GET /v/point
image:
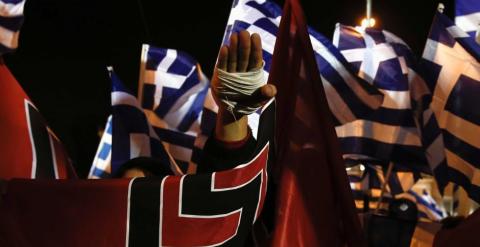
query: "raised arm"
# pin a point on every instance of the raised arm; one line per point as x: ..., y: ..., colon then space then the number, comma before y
x: 243, y: 54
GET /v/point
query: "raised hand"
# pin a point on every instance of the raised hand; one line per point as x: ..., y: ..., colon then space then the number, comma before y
x: 243, y: 54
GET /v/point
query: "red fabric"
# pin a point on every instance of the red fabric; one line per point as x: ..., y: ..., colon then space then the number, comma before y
x: 189, y: 226
x: 15, y: 147
x: 315, y: 205
x: 16, y: 155
x: 64, y: 213
x: 78, y: 212
x: 465, y: 234
x: 64, y: 167
x: 214, y: 229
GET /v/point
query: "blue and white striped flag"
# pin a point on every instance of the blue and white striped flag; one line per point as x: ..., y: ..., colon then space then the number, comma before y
x: 348, y: 96
x: 366, y: 179
x: 176, y: 98
x: 452, y: 70
x: 428, y: 208
x: 101, y: 167
x: 11, y: 19
x: 391, y: 133
x: 467, y: 17
x: 130, y: 135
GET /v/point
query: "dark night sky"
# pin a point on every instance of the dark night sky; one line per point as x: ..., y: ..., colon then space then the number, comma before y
x: 65, y: 46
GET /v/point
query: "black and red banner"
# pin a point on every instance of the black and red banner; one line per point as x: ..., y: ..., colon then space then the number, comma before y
x: 28, y: 149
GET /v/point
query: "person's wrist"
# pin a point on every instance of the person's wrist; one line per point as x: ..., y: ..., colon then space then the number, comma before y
x: 229, y: 116
x: 230, y: 127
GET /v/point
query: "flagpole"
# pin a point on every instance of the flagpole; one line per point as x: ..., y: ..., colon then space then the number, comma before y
x: 384, y: 186
x: 141, y: 75
x: 368, y: 21
x: 369, y: 10
x: 477, y: 35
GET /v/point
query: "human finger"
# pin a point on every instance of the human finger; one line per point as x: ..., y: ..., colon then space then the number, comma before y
x: 243, y: 51
x: 232, y: 53
x: 256, y: 58
x: 223, y: 58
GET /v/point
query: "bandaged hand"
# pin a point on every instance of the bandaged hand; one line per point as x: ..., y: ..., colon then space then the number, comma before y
x: 238, y: 85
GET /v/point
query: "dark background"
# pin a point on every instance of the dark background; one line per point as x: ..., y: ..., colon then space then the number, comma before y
x: 65, y: 46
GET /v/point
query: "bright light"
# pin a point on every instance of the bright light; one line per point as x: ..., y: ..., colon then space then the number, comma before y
x: 368, y: 23
x: 362, y: 167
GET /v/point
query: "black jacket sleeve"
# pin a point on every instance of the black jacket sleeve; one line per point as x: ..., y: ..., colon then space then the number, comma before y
x: 216, y: 157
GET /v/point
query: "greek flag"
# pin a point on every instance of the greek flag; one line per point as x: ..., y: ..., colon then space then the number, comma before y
x: 391, y: 133
x: 176, y: 98
x: 366, y: 180
x: 467, y: 17
x: 128, y: 135
x: 11, y: 19
x: 452, y: 69
x: 428, y: 209
x: 348, y: 96
x: 101, y: 167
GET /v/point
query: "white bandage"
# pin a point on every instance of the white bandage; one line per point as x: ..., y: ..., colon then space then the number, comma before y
x: 234, y: 90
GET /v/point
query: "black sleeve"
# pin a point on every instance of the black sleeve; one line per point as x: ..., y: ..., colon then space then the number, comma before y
x: 218, y: 158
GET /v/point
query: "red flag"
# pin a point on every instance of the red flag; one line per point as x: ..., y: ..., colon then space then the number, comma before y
x: 28, y: 148
x: 208, y: 209
x: 315, y: 205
